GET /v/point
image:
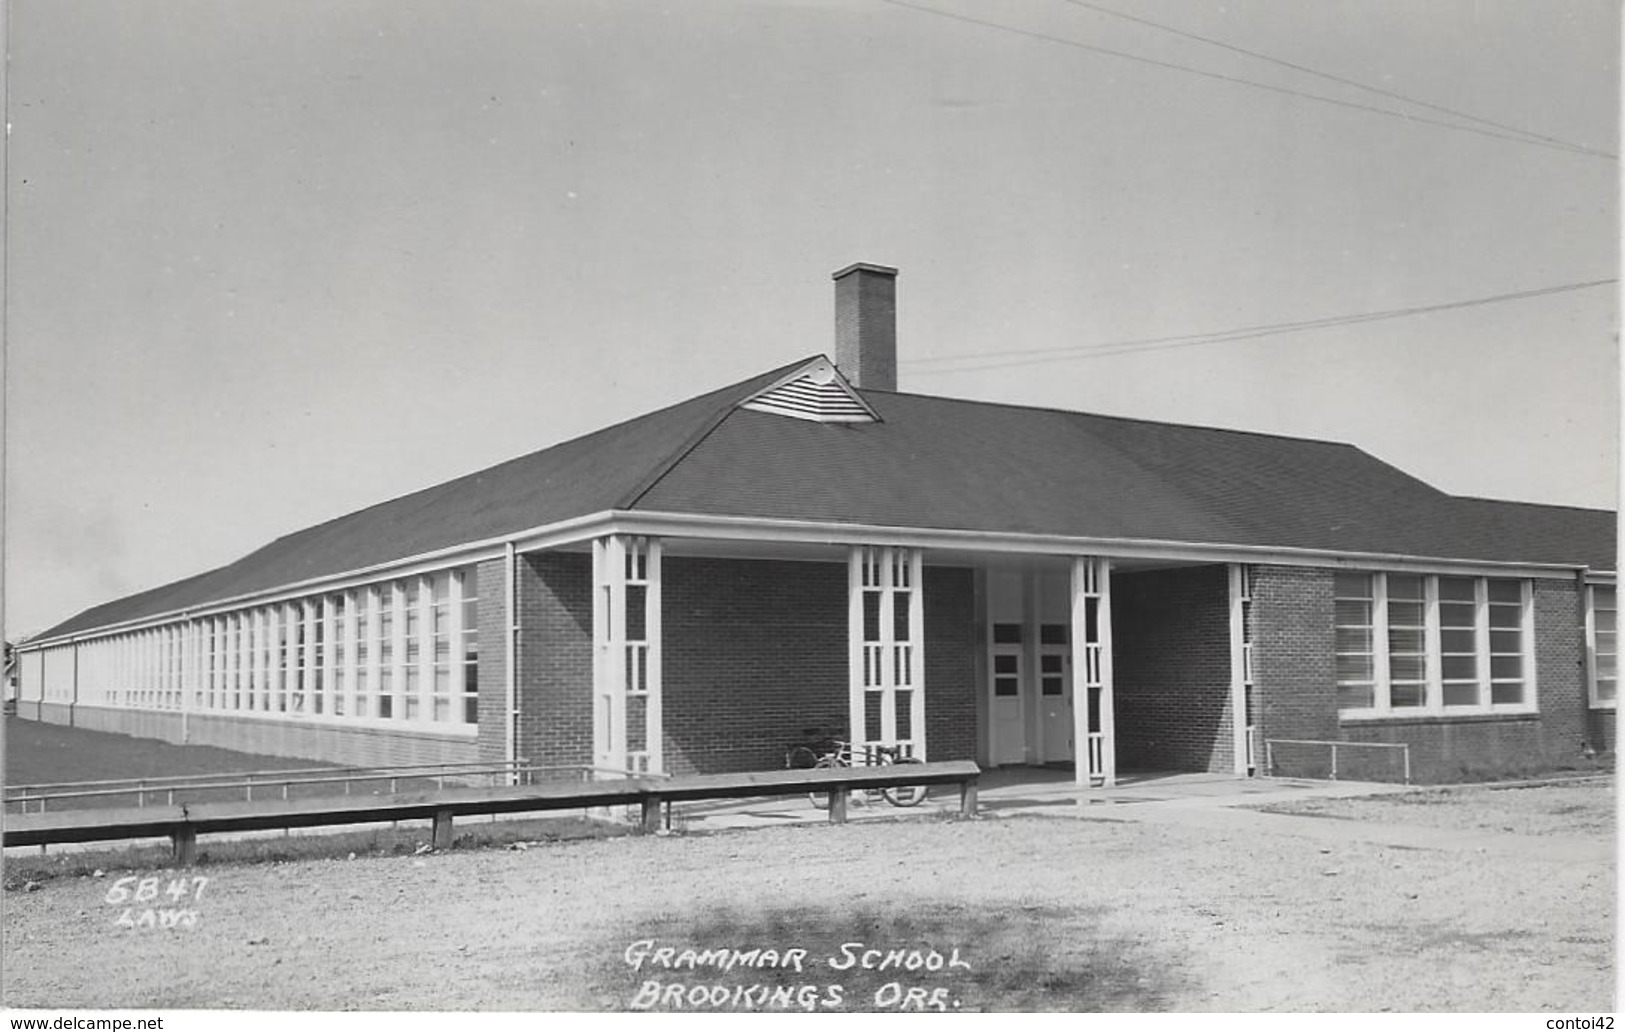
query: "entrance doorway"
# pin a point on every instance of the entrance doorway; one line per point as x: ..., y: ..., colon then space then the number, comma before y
x: 1029, y: 678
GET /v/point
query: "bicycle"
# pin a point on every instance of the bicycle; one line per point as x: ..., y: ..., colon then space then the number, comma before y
x: 827, y: 752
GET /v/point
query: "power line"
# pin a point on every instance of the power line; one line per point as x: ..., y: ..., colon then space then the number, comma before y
x: 1172, y: 66
x: 1324, y: 75
x: 1107, y: 349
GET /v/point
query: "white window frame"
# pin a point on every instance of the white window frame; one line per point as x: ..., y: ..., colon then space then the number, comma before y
x: 1591, y: 646
x: 1433, y: 704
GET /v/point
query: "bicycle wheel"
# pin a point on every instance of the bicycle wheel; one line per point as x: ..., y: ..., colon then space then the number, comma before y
x: 905, y: 795
x: 800, y: 758
x: 829, y: 761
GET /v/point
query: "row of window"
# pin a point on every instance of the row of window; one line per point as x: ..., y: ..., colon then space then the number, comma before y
x: 402, y: 651
x: 1412, y: 643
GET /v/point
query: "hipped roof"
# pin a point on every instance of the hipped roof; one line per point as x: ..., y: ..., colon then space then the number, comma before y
x: 929, y: 462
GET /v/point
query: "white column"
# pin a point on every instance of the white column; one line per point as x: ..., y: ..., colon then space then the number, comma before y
x: 1108, y: 718
x: 916, y: 635
x: 855, y: 656
x: 652, y: 633
x: 1238, y: 672
x: 609, y: 653
x: 1083, y: 660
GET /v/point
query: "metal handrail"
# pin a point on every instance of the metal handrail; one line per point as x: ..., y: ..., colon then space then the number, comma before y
x: 163, y: 780
x: 1270, y: 743
x: 269, y: 779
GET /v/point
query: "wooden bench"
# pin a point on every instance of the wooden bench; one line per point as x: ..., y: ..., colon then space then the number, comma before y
x: 183, y: 824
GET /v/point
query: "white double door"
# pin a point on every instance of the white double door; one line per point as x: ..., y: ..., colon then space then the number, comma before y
x: 1029, y: 681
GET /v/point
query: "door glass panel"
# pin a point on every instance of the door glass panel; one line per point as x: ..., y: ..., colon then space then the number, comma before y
x: 1007, y: 634
x: 1054, y: 685
x: 1007, y: 687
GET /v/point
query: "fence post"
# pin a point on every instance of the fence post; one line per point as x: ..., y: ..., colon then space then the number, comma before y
x: 967, y: 797
x: 141, y: 792
x: 183, y: 845
x: 1407, y: 755
x: 442, y: 829
x: 1334, y: 761
x: 837, y: 804
x: 651, y: 813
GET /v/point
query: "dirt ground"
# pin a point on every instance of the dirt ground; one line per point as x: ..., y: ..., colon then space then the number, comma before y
x: 1045, y: 913
x: 1582, y: 807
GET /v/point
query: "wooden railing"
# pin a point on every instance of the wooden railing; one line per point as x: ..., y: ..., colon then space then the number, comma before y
x: 183, y: 824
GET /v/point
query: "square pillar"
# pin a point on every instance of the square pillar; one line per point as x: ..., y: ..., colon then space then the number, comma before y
x: 1096, y: 754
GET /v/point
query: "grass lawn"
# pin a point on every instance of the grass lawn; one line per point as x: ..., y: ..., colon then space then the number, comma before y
x: 40, y: 753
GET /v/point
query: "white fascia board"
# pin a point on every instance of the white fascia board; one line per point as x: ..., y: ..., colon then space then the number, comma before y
x: 567, y: 532
x: 817, y: 532
x: 1600, y: 576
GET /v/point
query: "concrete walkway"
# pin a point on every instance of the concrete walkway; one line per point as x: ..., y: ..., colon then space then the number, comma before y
x: 1214, y: 801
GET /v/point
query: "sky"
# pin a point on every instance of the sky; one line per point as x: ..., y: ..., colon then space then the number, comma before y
x: 267, y: 264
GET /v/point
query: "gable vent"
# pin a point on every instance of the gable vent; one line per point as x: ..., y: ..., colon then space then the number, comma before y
x: 815, y: 392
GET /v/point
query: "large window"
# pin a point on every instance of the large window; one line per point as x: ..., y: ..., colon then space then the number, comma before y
x: 1602, y: 644
x: 1415, y: 644
x: 400, y: 651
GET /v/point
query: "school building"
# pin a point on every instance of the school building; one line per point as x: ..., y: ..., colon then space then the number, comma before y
x: 688, y: 590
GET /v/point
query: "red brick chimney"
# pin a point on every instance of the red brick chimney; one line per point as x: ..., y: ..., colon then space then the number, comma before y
x: 866, y: 325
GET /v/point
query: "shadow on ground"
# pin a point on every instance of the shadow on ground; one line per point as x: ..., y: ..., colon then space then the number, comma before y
x: 942, y: 957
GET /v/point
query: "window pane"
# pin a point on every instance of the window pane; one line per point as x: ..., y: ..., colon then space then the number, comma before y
x: 1458, y: 589
x: 1506, y: 591
x: 1053, y: 686
x: 1053, y: 634
x: 1605, y: 688
x: 1404, y: 639
x: 1505, y: 641
x: 1352, y: 614
x: 1006, y: 686
x: 1605, y: 620
x: 1506, y: 667
x: 1507, y: 694
x: 1007, y: 633
x: 1352, y: 585
x: 1406, y: 668
x: 1005, y: 664
x: 1405, y: 696
x: 1461, y: 694
x: 1459, y: 668
x: 1506, y: 616
x: 1405, y: 614
x: 1404, y: 586
x: 1354, y: 639
x: 1456, y: 614
x: 1050, y: 664
x: 1457, y: 641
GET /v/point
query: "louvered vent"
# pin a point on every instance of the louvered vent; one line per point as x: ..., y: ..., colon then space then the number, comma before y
x: 816, y: 392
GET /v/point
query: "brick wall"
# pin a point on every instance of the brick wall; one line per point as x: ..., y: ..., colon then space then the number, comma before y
x: 951, y: 636
x: 756, y: 650
x: 554, y: 658
x: 1476, y: 748
x: 1293, y: 668
x: 492, y: 591
x: 1171, y: 669
x: 1294, y: 651
x: 753, y: 652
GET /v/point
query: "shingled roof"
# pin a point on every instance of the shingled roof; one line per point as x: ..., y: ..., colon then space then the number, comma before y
x: 928, y: 462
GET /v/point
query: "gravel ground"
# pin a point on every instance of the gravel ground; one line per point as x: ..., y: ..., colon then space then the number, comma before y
x: 1046, y: 913
x: 1582, y: 807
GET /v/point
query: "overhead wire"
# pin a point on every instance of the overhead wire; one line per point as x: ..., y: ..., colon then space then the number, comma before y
x: 1343, y: 80
x: 1074, y: 352
x: 1237, y: 80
